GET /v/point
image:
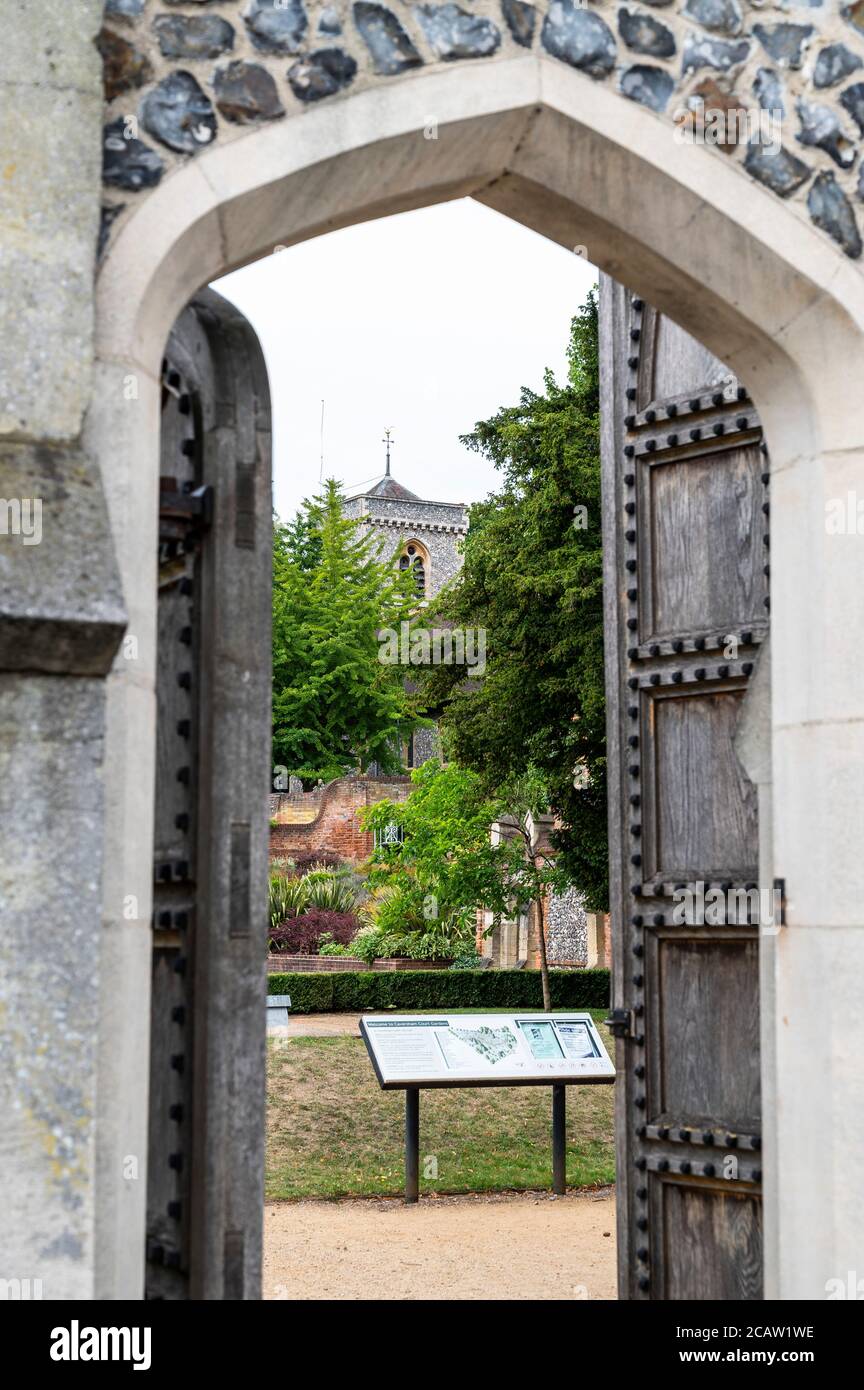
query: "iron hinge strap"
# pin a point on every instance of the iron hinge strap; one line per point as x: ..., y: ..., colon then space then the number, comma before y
x: 620, y: 1023
x: 195, y: 505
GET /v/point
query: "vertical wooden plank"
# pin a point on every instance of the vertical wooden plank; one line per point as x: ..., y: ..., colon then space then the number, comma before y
x: 222, y: 441
x: 611, y: 327
x: 236, y: 674
x: 684, y: 527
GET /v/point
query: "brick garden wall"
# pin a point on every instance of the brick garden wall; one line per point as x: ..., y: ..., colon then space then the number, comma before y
x: 327, y: 819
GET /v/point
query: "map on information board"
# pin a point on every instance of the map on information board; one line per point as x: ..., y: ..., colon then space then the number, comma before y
x: 485, y: 1049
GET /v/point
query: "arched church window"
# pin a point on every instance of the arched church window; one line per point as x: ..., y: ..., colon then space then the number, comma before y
x: 413, y: 559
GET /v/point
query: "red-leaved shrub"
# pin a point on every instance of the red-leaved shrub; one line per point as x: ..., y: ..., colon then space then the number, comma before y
x: 315, y: 859
x: 301, y: 935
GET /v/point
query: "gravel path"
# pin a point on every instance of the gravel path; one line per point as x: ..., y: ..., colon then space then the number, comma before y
x: 496, y: 1246
x: 317, y: 1026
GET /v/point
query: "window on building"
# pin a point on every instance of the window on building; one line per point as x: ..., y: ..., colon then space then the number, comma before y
x: 414, y: 559
x: 390, y: 834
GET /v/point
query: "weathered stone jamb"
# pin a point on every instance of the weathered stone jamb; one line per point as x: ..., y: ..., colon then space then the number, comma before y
x: 61, y: 617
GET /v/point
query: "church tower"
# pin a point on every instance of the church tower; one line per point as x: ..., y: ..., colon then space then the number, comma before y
x: 421, y: 536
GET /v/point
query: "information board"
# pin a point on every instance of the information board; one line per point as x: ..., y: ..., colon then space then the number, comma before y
x: 518, y: 1049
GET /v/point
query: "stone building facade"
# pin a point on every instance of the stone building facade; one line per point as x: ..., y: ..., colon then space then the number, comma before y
x: 575, y: 937
x: 424, y: 536
x: 433, y: 530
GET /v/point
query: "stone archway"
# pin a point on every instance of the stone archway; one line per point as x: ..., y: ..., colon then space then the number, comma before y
x: 741, y: 271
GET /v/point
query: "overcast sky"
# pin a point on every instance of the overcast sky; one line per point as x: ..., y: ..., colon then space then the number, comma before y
x: 426, y: 322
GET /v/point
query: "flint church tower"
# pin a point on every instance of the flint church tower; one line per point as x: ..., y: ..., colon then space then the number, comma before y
x: 422, y: 536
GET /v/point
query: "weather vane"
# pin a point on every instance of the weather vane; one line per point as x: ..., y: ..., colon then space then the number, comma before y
x: 386, y: 440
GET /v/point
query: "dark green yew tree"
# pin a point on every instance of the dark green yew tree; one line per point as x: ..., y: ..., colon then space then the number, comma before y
x: 532, y: 578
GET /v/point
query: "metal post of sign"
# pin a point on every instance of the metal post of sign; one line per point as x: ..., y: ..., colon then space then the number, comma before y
x: 412, y: 1144
x: 559, y: 1140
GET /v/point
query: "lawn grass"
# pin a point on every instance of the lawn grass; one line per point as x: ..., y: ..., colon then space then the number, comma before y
x: 332, y: 1131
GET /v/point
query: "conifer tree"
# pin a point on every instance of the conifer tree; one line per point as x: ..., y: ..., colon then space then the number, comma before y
x: 532, y: 577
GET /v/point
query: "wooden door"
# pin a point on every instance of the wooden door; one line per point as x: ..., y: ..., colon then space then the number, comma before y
x: 685, y: 532
x: 208, y: 1025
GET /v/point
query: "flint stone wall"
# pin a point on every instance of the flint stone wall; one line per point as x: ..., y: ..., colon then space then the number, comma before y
x: 439, y: 526
x: 176, y: 82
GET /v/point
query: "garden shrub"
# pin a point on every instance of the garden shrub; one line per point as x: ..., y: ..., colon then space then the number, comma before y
x: 303, y: 933
x: 467, y: 959
x: 403, y: 990
x: 310, y: 994
x: 330, y: 891
x: 317, y: 859
x: 289, y: 897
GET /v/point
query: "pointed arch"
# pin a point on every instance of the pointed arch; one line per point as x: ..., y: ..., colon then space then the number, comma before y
x: 730, y: 262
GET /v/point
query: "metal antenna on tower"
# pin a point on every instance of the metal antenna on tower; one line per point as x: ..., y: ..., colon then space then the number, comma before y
x: 321, y: 474
x: 386, y: 440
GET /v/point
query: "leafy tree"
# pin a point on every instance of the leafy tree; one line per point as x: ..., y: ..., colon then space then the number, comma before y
x: 447, y: 865
x: 532, y: 577
x: 427, y: 887
x: 533, y: 872
x: 336, y: 706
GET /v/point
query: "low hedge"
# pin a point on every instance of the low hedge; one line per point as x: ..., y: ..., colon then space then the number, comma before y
x: 404, y: 990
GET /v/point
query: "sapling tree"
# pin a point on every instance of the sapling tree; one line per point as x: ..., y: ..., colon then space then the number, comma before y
x: 460, y: 849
